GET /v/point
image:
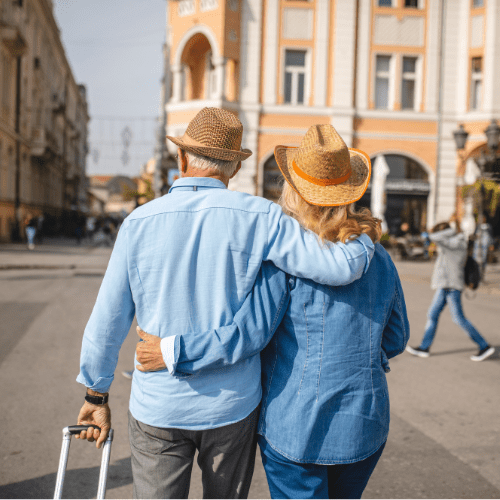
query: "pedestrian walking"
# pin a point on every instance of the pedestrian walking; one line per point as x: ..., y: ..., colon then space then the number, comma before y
x: 448, y: 281
x: 188, y: 260
x: 482, y: 242
x: 324, y: 417
x: 90, y: 228
x: 31, y: 232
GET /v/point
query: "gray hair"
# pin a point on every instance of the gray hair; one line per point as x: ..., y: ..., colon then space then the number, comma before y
x: 224, y: 167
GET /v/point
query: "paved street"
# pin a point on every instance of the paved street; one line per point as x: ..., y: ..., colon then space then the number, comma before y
x: 445, y: 430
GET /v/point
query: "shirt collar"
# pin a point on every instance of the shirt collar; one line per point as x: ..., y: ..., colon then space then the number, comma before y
x: 199, y: 182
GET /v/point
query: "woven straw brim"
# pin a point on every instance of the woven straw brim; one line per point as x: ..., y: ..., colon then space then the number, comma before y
x: 217, y: 153
x: 327, y: 196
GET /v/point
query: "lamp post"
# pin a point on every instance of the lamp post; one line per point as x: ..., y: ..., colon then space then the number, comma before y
x: 484, y: 160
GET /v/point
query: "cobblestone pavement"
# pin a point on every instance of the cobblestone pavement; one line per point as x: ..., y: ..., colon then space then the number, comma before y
x: 445, y: 431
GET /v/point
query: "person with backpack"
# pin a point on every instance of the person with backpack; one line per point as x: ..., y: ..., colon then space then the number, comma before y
x: 448, y: 279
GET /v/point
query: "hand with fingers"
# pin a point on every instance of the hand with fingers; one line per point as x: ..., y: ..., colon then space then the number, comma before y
x: 149, y: 353
x: 99, y: 415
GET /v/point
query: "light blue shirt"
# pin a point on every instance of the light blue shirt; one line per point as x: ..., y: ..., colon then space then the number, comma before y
x: 185, y: 263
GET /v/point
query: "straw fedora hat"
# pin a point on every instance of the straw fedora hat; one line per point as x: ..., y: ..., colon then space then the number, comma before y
x: 323, y: 170
x: 215, y: 133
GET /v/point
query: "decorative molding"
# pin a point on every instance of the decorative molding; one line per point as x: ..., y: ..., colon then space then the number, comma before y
x: 394, y: 137
x: 407, y: 32
x: 298, y: 23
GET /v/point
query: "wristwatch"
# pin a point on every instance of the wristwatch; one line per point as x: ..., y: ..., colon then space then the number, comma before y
x: 96, y: 400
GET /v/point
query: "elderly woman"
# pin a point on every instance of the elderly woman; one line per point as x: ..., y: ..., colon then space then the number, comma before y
x: 324, y: 414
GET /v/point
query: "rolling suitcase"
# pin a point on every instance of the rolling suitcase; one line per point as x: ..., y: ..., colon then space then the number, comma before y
x: 63, y: 461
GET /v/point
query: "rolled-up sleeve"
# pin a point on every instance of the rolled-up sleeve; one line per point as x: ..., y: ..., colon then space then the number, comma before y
x: 109, y: 322
x: 301, y: 253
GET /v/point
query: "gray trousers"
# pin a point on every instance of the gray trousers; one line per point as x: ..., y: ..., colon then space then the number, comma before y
x: 162, y: 459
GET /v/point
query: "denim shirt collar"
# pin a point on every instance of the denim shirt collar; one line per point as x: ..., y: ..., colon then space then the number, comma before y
x: 194, y: 183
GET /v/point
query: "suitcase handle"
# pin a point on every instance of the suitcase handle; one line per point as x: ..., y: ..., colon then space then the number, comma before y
x: 76, y: 429
x: 69, y: 431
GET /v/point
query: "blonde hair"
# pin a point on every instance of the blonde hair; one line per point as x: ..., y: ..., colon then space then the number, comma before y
x: 340, y: 223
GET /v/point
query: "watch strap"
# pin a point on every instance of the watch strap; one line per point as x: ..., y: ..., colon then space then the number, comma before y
x: 96, y: 400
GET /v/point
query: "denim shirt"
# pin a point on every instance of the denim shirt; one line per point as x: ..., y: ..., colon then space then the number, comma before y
x: 185, y: 262
x: 325, y: 396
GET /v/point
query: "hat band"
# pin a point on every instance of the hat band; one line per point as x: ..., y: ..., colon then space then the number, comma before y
x: 189, y: 141
x: 320, y: 182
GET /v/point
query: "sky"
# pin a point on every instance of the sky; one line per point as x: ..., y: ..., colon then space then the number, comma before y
x: 114, y: 48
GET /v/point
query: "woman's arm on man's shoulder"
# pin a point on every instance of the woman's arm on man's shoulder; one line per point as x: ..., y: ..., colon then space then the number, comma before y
x: 301, y: 253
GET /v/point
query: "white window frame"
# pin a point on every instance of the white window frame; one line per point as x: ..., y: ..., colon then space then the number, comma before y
x: 186, y: 8
x: 307, y: 76
x: 391, y: 77
x: 207, y: 5
x: 474, y: 77
x: 417, y: 78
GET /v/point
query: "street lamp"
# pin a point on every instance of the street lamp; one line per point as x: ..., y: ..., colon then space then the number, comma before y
x: 485, y: 159
x: 460, y: 137
x: 493, y: 135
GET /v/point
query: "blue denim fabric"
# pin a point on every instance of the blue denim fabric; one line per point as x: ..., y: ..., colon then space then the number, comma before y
x: 454, y: 300
x: 287, y: 479
x: 185, y: 262
x: 30, y: 234
x: 325, y: 396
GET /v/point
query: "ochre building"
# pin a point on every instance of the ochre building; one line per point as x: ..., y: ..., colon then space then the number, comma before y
x: 43, y: 121
x: 395, y: 78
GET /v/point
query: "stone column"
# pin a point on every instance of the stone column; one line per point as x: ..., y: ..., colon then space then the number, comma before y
x: 177, y: 83
x: 220, y: 71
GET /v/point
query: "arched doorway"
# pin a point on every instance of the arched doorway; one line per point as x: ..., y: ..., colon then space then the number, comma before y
x: 198, y: 70
x: 407, y: 190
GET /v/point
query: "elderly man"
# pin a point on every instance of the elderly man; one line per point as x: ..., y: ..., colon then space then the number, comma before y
x: 188, y: 260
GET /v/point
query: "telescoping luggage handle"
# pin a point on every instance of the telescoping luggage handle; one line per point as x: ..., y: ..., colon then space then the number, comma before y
x: 63, y: 460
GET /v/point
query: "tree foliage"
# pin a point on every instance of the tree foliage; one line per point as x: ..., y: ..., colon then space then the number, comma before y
x: 491, y: 193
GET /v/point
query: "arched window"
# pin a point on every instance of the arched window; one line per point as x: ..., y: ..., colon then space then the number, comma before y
x: 200, y: 72
x: 273, y: 180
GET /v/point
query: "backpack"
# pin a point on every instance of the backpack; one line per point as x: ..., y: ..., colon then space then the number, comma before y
x: 472, y: 273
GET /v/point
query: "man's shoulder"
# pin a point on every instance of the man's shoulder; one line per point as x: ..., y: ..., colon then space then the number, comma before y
x: 151, y: 208
x: 247, y: 202
x: 216, y: 198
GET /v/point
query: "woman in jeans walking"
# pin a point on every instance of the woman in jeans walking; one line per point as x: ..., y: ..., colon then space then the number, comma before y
x: 448, y: 281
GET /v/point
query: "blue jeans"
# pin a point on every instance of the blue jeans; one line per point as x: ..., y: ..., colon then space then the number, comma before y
x: 30, y: 234
x: 454, y: 300
x: 289, y: 479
